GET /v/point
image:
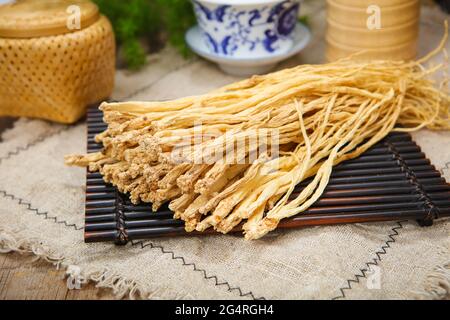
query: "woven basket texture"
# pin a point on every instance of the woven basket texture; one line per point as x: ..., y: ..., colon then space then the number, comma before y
x: 57, y: 77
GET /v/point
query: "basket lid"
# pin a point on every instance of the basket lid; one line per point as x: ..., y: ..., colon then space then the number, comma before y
x: 38, y: 18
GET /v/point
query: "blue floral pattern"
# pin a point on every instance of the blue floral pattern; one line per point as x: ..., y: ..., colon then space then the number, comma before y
x: 227, y: 29
x: 287, y: 20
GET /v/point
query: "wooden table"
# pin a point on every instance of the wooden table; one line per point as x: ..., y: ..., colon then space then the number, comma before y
x: 23, y: 278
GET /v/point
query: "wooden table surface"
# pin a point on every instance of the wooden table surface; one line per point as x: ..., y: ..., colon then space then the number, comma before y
x: 23, y: 278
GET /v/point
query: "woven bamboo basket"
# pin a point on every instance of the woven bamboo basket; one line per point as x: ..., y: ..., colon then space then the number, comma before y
x: 49, y: 70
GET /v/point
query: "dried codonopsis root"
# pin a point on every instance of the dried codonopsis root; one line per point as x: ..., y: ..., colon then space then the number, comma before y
x: 234, y: 155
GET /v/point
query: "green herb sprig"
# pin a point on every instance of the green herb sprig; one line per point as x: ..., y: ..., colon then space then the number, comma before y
x: 147, y: 21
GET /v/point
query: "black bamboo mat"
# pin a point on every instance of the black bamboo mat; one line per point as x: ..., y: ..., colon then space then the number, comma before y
x: 393, y: 180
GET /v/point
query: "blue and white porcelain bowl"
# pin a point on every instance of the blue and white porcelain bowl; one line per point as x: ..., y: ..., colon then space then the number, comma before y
x: 247, y: 66
x: 247, y: 28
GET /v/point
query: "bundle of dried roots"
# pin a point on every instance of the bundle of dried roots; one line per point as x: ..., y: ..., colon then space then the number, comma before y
x: 219, y: 175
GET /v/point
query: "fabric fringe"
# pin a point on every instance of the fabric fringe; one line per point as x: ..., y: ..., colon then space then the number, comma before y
x: 104, y: 278
x: 437, y: 284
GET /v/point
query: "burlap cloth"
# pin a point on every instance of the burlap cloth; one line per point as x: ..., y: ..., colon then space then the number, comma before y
x: 42, y: 211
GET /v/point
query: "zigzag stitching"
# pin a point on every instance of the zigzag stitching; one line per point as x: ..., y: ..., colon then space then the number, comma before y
x: 40, y: 139
x: 447, y: 167
x: 45, y: 214
x: 374, y: 262
x: 195, y: 268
